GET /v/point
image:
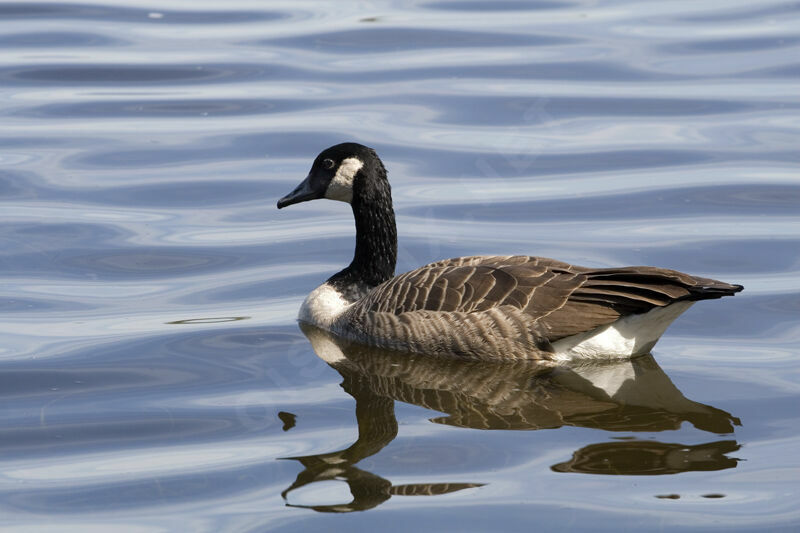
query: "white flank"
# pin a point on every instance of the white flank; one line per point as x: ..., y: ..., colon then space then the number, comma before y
x: 322, y: 306
x: 341, y: 186
x: 628, y: 336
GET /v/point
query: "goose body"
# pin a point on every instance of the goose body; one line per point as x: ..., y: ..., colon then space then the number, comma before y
x: 485, y: 307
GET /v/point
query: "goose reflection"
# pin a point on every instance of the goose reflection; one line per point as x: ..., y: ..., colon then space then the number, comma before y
x: 626, y: 395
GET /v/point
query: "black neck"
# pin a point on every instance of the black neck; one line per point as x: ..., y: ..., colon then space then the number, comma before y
x: 376, y: 234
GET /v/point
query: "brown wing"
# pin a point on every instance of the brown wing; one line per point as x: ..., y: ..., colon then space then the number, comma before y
x: 606, y: 294
x: 469, y: 284
x: 562, y: 299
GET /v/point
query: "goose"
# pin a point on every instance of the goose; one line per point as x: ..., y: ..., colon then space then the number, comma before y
x: 632, y: 394
x: 480, y: 307
x: 626, y: 395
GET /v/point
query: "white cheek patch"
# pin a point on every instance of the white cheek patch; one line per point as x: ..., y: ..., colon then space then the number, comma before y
x: 341, y: 186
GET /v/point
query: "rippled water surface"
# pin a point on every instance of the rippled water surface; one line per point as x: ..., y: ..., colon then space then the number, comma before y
x: 152, y: 373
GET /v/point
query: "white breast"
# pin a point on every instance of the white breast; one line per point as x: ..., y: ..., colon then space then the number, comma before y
x: 628, y: 336
x: 322, y: 306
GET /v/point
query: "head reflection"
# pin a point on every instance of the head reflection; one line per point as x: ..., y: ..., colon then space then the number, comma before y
x: 622, y: 396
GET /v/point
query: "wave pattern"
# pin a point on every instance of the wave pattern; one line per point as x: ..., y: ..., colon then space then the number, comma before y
x: 148, y: 286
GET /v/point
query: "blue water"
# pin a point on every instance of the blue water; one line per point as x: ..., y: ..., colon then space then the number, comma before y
x: 152, y: 375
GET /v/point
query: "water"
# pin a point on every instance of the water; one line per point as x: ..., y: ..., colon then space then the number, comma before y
x: 151, y: 371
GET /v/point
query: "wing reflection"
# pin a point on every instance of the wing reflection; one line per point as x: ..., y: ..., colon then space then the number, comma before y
x: 649, y: 458
x: 628, y: 395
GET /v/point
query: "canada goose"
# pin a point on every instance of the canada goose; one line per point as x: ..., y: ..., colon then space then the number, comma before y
x: 486, y: 307
x: 627, y: 396
x: 612, y: 395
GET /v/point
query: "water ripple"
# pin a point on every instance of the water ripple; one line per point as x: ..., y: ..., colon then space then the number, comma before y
x: 501, y: 5
x: 355, y: 41
x: 67, y: 11
x: 59, y: 39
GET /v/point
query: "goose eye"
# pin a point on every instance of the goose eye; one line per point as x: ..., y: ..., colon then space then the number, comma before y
x: 327, y: 163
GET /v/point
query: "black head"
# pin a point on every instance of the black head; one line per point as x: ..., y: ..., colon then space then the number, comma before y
x: 333, y: 174
x: 353, y: 173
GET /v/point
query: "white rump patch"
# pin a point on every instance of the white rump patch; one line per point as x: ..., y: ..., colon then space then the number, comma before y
x: 630, y: 335
x: 322, y: 306
x: 341, y: 186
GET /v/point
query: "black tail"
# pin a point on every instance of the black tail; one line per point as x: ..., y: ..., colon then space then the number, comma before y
x: 709, y: 289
